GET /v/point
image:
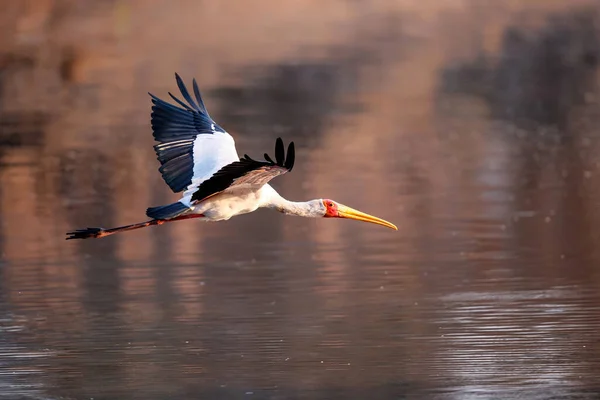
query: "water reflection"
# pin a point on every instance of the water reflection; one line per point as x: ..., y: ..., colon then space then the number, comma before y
x: 484, y: 154
x: 540, y: 76
x: 297, y: 99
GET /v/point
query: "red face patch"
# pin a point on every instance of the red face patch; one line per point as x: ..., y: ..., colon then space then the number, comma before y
x: 331, y: 208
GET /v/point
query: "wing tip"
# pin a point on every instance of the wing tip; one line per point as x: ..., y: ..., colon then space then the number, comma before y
x: 290, y: 157
x: 195, y: 106
x: 282, y: 158
x: 279, y: 152
x: 178, y: 78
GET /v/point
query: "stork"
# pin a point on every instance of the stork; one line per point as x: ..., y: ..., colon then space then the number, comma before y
x: 199, y: 158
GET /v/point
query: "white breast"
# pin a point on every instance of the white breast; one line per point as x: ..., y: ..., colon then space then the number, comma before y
x: 226, y: 205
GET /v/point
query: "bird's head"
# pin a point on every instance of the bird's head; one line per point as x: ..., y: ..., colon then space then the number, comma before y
x: 336, y: 210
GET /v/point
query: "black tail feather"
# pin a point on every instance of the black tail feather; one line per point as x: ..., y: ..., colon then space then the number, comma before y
x: 167, y: 212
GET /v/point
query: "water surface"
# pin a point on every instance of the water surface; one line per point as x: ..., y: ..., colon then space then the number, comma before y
x: 475, y: 130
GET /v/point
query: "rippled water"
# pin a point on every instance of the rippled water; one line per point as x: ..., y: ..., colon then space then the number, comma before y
x: 484, y: 154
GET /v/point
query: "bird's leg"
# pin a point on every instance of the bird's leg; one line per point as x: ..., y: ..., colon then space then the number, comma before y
x: 101, y: 232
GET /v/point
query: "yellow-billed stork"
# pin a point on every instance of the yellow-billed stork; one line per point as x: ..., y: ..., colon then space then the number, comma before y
x: 199, y: 158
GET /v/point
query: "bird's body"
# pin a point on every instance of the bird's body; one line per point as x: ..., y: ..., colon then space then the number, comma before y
x: 199, y: 159
x: 223, y: 206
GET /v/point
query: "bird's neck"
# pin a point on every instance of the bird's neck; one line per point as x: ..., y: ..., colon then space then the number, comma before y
x: 298, y: 208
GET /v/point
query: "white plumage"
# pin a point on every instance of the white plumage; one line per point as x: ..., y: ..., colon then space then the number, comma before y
x: 210, y: 154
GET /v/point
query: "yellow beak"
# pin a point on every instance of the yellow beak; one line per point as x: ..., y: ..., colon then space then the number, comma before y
x: 350, y: 213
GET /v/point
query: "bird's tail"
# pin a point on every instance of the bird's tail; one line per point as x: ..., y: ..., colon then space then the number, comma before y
x: 167, y: 212
x: 101, y: 232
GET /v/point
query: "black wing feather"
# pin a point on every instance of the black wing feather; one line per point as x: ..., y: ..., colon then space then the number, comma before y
x: 181, y: 103
x: 291, y: 157
x: 199, y: 97
x: 247, y: 171
x: 185, y: 93
x: 279, y: 152
x: 175, y: 129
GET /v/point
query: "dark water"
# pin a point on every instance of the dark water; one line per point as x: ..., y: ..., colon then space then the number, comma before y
x: 474, y: 129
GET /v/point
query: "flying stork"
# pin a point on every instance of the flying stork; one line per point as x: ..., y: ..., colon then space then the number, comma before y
x: 199, y: 158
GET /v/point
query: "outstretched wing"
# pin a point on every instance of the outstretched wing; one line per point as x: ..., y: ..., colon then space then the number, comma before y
x: 247, y: 173
x: 192, y: 147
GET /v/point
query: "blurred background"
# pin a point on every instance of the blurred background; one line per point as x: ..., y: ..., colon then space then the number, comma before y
x: 473, y: 125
